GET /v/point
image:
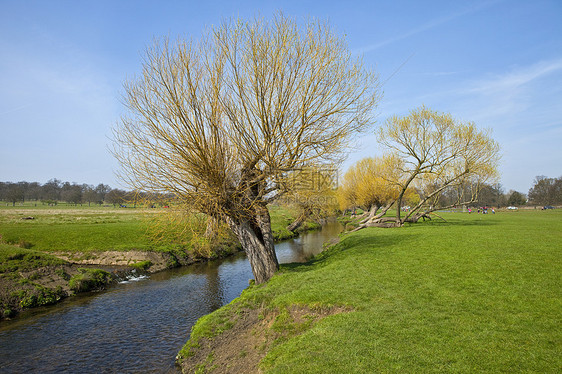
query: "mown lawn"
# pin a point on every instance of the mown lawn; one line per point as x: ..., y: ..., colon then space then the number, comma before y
x: 478, y: 293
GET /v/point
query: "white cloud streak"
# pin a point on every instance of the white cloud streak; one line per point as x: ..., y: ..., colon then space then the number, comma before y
x: 426, y: 26
x: 516, y: 79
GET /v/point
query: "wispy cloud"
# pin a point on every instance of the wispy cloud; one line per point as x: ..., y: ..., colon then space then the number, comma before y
x: 500, y: 94
x: 426, y: 26
x: 509, y: 97
x: 517, y: 78
x: 522, y: 106
x: 441, y: 73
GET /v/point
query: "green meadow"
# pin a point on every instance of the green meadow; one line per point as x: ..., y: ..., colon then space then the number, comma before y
x: 68, y: 229
x: 65, y: 228
x: 474, y: 293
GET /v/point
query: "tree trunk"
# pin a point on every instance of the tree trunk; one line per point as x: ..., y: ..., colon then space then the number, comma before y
x: 367, y: 216
x: 377, y: 220
x: 300, y: 220
x: 399, y: 207
x: 255, y: 235
x: 373, y: 210
x: 416, y: 217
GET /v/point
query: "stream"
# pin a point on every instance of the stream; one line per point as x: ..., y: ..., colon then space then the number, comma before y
x: 137, y: 326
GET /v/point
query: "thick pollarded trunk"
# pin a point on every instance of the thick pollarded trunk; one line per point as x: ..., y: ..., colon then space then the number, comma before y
x: 256, y: 238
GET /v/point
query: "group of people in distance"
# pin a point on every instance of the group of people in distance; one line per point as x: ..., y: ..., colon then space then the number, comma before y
x: 483, y: 210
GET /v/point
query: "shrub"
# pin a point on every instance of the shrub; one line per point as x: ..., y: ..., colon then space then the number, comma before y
x: 351, y: 226
x: 63, y: 274
x: 89, y: 279
x: 7, y: 313
x: 40, y: 296
x: 24, y: 244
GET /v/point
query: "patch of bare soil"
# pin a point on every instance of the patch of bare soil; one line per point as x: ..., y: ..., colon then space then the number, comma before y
x: 241, y: 348
x: 160, y: 261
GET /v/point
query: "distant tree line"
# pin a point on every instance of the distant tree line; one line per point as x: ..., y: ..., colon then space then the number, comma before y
x: 546, y: 191
x: 492, y: 195
x: 487, y: 195
x: 55, y: 191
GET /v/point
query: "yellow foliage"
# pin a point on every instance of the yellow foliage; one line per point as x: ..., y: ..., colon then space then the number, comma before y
x: 370, y: 182
x: 435, y: 148
x: 312, y: 190
x: 220, y: 121
x: 197, y: 233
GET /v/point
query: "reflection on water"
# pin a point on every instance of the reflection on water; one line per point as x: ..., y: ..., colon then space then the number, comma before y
x: 304, y: 247
x: 136, y: 326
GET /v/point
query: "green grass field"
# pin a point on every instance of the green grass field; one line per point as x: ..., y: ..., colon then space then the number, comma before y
x: 478, y: 293
x: 70, y: 229
x: 65, y: 228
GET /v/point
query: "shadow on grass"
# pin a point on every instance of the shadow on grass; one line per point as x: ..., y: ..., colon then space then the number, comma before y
x: 451, y: 222
x: 361, y: 240
x: 370, y: 239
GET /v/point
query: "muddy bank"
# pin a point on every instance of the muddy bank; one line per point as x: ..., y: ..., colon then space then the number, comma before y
x: 155, y: 261
x: 247, y: 336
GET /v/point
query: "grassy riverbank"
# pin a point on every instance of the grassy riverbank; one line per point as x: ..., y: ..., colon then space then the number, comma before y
x: 478, y: 293
x: 30, y: 278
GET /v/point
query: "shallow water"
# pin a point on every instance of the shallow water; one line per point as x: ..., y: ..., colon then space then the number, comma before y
x: 136, y: 326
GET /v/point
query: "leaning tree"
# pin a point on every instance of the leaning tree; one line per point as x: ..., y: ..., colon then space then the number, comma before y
x: 438, y: 153
x: 220, y: 122
x: 435, y: 154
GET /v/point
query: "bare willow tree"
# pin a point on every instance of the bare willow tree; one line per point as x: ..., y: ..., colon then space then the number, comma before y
x: 438, y: 153
x: 219, y: 122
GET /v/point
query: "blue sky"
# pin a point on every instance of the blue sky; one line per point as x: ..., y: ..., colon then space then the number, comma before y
x: 497, y: 63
